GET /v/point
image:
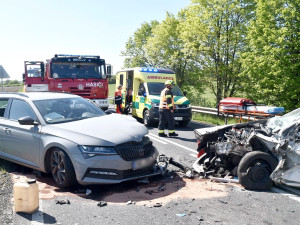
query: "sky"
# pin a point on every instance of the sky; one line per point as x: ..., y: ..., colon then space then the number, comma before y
x: 36, y: 30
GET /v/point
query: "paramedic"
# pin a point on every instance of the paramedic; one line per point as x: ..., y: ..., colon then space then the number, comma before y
x: 118, y: 99
x: 128, y: 102
x: 166, y: 109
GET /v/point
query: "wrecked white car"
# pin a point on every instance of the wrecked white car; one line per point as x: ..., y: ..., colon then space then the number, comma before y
x: 259, y: 153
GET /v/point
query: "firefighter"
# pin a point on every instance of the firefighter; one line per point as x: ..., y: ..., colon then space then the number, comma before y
x: 118, y: 99
x: 166, y: 109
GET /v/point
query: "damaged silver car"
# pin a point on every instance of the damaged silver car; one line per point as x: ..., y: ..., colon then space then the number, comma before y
x: 260, y: 153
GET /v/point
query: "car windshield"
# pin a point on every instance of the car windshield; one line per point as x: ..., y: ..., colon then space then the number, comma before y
x: 156, y: 88
x: 77, y: 70
x: 280, y: 122
x: 67, y: 109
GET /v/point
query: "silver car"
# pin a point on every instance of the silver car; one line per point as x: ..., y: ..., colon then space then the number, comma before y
x: 74, y: 140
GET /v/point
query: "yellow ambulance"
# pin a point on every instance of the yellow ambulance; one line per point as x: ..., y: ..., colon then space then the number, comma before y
x: 146, y: 85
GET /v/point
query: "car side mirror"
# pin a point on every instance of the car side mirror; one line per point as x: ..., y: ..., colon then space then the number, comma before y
x: 145, y: 94
x: 140, y: 92
x: 184, y: 93
x: 23, y: 77
x: 27, y: 120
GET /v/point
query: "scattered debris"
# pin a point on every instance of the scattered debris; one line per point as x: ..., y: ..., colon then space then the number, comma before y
x: 130, y: 202
x: 157, y: 205
x: 88, y: 191
x: 200, y: 219
x: 189, y: 174
x: 181, y: 214
x: 224, y: 180
x: 144, y: 181
x: 161, y: 188
x: 150, y: 192
x: 63, y: 202
x: 102, y: 203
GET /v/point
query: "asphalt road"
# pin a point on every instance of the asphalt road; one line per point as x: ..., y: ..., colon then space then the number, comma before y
x: 182, y: 201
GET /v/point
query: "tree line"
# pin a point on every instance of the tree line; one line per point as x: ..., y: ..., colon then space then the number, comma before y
x: 236, y: 48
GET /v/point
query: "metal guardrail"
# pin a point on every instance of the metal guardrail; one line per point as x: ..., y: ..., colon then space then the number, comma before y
x: 205, y: 110
x: 214, y: 111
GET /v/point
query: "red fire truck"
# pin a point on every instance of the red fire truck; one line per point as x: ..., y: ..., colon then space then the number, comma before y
x: 83, y: 75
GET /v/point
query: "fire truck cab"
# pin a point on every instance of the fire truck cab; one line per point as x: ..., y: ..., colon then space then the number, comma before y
x: 83, y: 75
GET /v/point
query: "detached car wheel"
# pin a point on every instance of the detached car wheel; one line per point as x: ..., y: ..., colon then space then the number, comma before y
x: 146, y: 119
x: 62, y: 169
x: 254, y: 170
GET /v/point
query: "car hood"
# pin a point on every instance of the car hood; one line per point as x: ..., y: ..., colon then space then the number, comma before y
x: 108, y: 130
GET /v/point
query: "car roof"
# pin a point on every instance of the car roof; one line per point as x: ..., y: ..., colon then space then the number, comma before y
x: 38, y: 95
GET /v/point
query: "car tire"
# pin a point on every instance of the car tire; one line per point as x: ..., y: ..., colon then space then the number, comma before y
x: 146, y: 118
x: 62, y: 169
x: 184, y: 123
x: 254, y: 170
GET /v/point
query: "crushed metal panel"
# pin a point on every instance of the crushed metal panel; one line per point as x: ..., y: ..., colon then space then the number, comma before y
x: 225, y: 146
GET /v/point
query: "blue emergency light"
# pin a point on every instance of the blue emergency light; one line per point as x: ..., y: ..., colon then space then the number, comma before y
x: 156, y: 70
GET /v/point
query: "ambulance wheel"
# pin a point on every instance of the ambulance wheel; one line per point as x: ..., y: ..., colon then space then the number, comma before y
x: 146, y: 119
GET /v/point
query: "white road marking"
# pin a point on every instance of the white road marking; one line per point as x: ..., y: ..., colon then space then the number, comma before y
x: 174, y: 143
x: 156, y: 139
x: 294, y: 197
x: 37, y: 218
x: 193, y: 155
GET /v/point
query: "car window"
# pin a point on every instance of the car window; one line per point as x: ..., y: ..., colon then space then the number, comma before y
x: 20, y: 109
x: 67, y: 109
x: 3, y: 104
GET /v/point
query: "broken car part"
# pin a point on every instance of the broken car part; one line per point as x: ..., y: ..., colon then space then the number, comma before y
x: 258, y: 153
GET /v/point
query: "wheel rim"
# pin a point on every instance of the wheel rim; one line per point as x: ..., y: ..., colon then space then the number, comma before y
x: 259, y: 171
x: 146, y: 118
x: 58, y: 167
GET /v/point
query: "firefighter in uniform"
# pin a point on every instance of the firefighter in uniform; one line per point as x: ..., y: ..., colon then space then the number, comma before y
x: 166, y: 109
x: 118, y: 99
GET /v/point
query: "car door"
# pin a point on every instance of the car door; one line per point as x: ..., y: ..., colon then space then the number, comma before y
x: 3, y: 105
x: 140, y: 100
x: 21, y: 142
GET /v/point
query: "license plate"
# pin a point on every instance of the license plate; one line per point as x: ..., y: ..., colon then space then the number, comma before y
x: 178, y: 118
x: 140, y: 163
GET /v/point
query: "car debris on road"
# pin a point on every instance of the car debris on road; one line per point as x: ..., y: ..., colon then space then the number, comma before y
x: 259, y: 153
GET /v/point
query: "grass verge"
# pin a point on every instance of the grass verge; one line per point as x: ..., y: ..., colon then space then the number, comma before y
x: 211, y: 119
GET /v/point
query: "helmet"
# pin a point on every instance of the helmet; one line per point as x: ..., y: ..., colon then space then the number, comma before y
x: 169, y: 82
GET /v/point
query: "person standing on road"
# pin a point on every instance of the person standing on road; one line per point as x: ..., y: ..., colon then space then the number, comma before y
x: 118, y: 99
x: 166, y: 109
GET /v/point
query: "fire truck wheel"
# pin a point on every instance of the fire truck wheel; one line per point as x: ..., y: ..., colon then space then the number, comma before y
x: 146, y: 118
x: 254, y: 170
x: 62, y: 169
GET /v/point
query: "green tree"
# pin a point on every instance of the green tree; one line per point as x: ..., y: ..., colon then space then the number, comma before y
x: 214, y: 33
x: 272, y: 62
x: 135, y: 53
x: 165, y: 48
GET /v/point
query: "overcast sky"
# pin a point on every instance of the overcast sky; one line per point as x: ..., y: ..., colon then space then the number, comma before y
x: 38, y: 29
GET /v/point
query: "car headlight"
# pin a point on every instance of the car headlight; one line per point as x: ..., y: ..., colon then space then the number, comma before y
x: 188, y: 106
x: 91, y: 151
